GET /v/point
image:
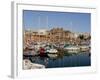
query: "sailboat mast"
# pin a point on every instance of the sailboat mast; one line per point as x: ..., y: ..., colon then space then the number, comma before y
x: 39, y: 28
x: 46, y: 26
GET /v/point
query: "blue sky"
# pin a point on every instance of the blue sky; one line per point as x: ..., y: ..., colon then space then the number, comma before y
x: 77, y: 22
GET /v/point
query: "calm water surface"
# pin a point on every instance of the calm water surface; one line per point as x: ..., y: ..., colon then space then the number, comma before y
x: 66, y: 60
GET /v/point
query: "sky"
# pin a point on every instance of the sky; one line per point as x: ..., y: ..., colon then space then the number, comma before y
x: 76, y: 22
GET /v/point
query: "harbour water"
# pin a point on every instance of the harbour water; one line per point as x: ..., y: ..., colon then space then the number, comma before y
x: 64, y: 60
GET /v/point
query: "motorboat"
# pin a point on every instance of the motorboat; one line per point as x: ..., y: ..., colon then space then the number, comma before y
x: 52, y: 51
x: 30, y: 53
x: 84, y: 48
x: 30, y: 47
x: 72, y: 49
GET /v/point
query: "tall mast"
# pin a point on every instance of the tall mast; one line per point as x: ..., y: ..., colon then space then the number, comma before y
x: 39, y: 27
x: 46, y: 26
x: 72, y: 32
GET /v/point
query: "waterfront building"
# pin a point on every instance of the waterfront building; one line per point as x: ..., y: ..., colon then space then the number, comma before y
x: 55, y: 35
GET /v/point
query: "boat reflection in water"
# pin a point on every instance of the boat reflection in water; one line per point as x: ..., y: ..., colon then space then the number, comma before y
x: 62, y: 59
x: 51, y: 56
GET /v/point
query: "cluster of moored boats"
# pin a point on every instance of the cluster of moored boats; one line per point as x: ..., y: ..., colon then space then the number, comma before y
x: 41, y: 50
x: 50, y: 50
